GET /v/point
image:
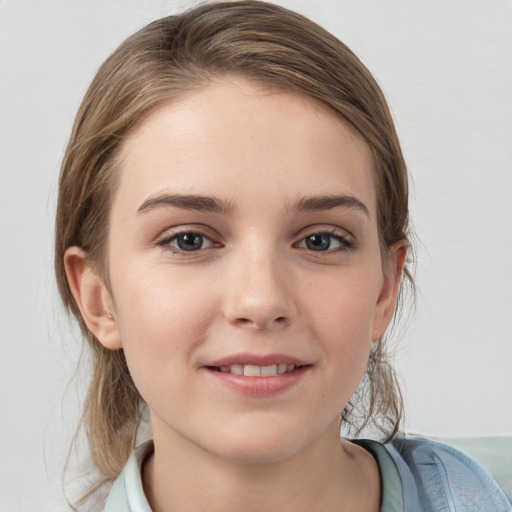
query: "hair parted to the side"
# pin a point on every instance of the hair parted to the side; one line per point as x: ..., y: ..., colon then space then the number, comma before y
x: 167, y: 59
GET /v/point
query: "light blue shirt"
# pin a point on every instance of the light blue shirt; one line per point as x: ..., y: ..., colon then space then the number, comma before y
x: 418, y: 475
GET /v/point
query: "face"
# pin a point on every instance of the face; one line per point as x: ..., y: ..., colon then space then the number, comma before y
x: 245, y: 273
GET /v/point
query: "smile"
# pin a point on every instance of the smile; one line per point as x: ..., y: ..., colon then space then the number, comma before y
x: 252, y: 370
x: 273, y: 375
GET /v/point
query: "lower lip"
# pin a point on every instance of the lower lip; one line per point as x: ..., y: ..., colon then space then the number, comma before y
x: 260, y: 386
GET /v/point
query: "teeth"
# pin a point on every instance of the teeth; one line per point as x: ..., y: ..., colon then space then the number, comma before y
x: 281, y: 368
x: 252, y: 370
x: 269, y: 371
x: 237, y: 369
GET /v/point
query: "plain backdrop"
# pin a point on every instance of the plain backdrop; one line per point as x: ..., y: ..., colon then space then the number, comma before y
x: 446, y: 68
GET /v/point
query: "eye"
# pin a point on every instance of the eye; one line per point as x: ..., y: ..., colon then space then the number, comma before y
x: 323, y: 242
x: 187, y: 242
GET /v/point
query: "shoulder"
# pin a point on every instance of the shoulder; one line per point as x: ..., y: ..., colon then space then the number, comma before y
x: 493, y: 453
x: 445, y: 478
x: 127, y: 493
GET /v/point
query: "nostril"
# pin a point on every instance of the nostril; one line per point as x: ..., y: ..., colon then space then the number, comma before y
x: 242, y: 321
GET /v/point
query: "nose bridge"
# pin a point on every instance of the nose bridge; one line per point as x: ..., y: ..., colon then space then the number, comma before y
x: 258, y: 293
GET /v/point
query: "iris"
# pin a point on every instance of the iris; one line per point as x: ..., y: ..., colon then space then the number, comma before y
x: 318, y: 242
x: 189, y: 241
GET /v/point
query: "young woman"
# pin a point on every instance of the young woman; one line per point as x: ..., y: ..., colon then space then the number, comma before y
x: 232, y: 231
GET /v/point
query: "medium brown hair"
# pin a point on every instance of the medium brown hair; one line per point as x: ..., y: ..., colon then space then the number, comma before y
x: 165, y: 60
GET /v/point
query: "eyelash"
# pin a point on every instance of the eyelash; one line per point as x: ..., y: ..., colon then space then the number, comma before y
x: 166, y: 241
x: 346, y: 242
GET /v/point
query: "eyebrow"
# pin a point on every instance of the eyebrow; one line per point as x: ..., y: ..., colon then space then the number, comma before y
x: 188, y: 202
x: 320, y: 203
x: 212, y: 204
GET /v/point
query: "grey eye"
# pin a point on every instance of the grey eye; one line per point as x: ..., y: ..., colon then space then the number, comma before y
x: 189, y: 242
x: 326, y: 242
x: 318, y: 241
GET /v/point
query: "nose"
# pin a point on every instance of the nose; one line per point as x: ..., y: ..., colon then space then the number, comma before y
x: 259, y: 293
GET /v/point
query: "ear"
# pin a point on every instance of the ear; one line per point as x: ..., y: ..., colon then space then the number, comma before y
x: 92, y: 297
x: 389, y: 291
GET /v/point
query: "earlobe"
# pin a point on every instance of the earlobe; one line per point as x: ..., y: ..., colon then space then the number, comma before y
x: 389, y: 291
x: 92, y: 297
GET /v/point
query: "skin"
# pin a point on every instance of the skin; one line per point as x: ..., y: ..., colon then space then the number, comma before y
x: 256, y: 285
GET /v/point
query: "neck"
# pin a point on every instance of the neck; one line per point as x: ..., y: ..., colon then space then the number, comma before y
x: 329, y: 475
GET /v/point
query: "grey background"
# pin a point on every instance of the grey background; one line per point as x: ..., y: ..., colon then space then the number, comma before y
x: 446, y: 68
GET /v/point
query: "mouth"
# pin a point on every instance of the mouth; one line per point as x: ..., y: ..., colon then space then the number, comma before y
x: 258, y: 375
x: 252, y: 370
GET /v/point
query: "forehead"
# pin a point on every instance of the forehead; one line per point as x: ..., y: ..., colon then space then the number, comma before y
x: 234, y: 137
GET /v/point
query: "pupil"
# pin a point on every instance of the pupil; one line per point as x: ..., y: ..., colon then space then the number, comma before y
x: 318, y: 242
x: 190, y: 242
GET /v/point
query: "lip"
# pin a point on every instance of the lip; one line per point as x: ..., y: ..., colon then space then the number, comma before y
x: 256, y: 359
x: 258, y: 386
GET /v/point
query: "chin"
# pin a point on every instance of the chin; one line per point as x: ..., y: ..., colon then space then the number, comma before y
x: 269, y: 444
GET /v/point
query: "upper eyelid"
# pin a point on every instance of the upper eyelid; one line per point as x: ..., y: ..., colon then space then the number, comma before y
x: 340, y: 236
x: 212, y: 234
x: 319, y: 229
x: 173, y: 232
x: 174, y: 236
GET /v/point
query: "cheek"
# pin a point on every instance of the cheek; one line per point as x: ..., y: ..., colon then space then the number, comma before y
x: 343, y: 313
x: 344, y: 303
x: 162, y: 319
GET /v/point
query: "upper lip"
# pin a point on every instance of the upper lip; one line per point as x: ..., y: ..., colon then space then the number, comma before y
x: 257, y: 360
